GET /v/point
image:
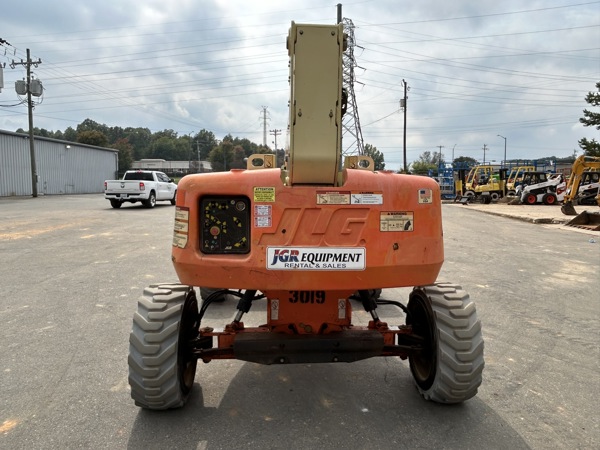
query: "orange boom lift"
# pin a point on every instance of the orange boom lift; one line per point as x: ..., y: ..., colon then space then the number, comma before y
x: 306, y: 238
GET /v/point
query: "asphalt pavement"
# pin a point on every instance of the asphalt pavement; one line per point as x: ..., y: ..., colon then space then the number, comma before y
x: 73, y: 269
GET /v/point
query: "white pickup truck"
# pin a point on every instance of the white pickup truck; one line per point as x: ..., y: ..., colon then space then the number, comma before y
x: 146, y: 186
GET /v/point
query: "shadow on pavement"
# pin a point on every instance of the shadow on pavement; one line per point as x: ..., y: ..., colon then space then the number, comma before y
x: 370, y: 404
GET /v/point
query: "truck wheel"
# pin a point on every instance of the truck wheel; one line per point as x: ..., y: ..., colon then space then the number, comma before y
x: 162, y: 366
x: 174, y: 199
x: 449, y: 369
x: 495, y: 196
x: 115, y: 203
x: 151, y: 202
x: 549, y: 199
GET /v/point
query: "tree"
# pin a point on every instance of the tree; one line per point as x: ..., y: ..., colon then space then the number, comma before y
x: 203, y: 143
x: 467, y: 160
x: 125, y: 154
x: 220, y: 157
x: 140, y: 139
x: 91, y: 125
x: 426, y: 162
x: 70, y: 134
x: 376, y: 155
x: 591, y: 119
x: 92, y: 137
x: 163, y: 148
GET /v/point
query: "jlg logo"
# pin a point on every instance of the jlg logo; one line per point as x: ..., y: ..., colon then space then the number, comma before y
x: 317, y: 227
x: 285, y: 256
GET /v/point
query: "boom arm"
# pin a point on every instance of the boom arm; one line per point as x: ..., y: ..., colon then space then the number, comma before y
x: 315, y: 53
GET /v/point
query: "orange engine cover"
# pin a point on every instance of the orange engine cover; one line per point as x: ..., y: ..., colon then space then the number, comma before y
x: 244, y: 229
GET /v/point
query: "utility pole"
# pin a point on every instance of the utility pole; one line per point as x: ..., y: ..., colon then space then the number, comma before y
x: 504, y: 150
x: 198, y: 152
x: 403, y: 104
x: 264, y: 108
x: 440, y: 160
x: 28, y: 65
x: 484, y: 150
x: 275, y: 133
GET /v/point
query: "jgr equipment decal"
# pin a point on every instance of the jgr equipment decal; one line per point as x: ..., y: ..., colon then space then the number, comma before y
x: 316, y: 258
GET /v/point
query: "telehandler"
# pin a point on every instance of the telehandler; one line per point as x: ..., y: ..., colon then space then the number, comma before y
x: 308, y: 239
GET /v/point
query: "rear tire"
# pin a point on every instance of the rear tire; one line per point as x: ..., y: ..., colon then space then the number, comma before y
x: 115, y: 203
x: 162, y: 366
x: 549, y: 199
x: 151, y: 202
x: 449, y: 369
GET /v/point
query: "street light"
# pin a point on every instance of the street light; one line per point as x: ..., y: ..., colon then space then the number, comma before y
x: 504, y: 148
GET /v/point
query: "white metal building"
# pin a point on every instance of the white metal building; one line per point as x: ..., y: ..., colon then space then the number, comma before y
x: 171, y: 167
x: 62, y: 167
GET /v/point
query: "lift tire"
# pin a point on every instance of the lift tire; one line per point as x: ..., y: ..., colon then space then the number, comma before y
x: 115, y: 203
x: 162, y: 367
x: 151, y: 202
x: 450, y: 371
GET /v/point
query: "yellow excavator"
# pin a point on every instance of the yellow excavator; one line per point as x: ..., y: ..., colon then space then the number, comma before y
x: 582, y: 188
x: 582, y: 167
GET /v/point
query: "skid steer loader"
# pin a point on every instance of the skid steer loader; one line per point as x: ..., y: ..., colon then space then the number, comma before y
x: 308, y: 239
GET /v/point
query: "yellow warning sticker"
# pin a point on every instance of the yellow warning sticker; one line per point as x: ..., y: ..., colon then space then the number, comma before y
x: 396, y: 221
x: 264, y: 194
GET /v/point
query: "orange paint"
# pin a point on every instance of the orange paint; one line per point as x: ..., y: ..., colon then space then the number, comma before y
x: 397, y: 253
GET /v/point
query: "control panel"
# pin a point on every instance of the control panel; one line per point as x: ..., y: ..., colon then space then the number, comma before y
x: 225, y: 224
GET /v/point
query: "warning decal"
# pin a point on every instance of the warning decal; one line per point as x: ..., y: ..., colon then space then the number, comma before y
x: 264, y: 194
x: 180, y: 228
x: 367, y: 198
x: 396, y: 221
x: 333, y: 198
x: 262, y: 216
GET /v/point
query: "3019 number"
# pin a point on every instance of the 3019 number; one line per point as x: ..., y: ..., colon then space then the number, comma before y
x: 307, y: 297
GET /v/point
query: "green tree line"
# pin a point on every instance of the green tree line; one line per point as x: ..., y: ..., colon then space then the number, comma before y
x: 134, y: 144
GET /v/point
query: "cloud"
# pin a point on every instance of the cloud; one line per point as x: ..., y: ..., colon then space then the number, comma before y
x: 475, y: 69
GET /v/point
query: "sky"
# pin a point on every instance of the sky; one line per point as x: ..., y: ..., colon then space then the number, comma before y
x: 479, y: 74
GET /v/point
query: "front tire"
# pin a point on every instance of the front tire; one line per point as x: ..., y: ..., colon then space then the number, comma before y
x: 174, y: 199
x: 449, y: 368
x: 530, y: 199
x: 162, y: 366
